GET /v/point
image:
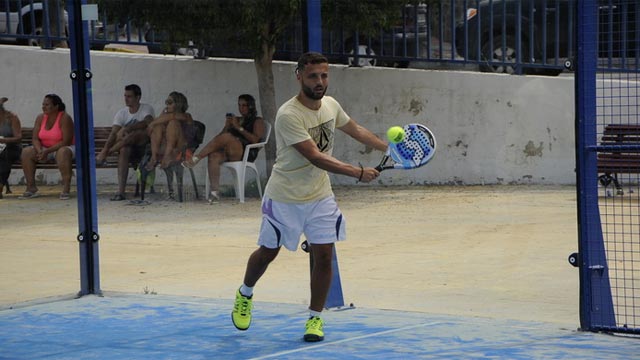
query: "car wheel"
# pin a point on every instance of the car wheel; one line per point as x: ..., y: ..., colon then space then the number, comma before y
x: 364, y: 55
x: 499, y: 54
x: 38, y: 31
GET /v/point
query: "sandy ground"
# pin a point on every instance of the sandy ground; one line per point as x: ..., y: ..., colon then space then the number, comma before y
x: 498, y: 252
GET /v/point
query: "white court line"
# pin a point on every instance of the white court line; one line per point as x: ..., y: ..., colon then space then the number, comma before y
x: 306, y: 348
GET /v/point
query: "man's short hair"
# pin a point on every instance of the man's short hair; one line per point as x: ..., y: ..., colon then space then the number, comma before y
x: 310, y: 58
x: 135, y: 88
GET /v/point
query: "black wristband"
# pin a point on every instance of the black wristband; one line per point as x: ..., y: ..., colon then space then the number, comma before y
x: 361, y: 172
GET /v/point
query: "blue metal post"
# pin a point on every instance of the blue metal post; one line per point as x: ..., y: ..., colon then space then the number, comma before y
x: 335, y: 298
x: 314, y: 25
x: 85, y: 162
x: 596, y: 305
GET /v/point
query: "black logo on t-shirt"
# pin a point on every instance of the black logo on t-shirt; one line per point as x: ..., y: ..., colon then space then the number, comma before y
x: 323, y: 135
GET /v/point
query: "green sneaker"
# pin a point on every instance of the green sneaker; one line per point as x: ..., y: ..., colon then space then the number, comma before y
x: 241, y: 314
x: 314, y: 329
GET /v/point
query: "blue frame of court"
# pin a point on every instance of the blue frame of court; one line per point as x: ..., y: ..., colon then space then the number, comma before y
x: 137, y: 326
x: 132, y: 326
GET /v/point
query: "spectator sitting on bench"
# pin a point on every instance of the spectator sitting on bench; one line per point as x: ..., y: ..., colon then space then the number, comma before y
x: 52, y: 141
x: 229, y: 144
x: 128, y: 136
x: 10, y: 148
x: 169, y: 132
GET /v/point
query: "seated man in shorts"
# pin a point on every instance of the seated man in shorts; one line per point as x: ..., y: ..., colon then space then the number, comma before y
x: 128, y: 136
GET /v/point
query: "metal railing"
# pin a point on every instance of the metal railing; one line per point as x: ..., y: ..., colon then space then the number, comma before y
x: 527, y: 36
x: 29, y: 22
x: 519, y: 37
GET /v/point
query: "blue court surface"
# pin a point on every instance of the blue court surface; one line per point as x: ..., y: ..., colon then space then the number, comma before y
x: 136, y: 326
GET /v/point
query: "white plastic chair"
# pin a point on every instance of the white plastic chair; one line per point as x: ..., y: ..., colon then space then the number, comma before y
x: 239, y: 168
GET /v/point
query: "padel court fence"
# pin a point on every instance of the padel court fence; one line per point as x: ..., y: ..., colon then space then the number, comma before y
x: 608, y: 166
x: 518, y: 37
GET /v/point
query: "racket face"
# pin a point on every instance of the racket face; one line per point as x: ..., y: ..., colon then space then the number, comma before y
x: 417, y: 148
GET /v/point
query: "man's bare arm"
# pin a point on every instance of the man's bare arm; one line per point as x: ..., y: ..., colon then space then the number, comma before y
x: 140, y: 125
x: 364, y: 136
x: 309, y: 150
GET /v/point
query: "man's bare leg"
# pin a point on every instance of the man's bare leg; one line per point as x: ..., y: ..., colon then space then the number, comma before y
x: 138, y: 137
x: 123, y: 169
x: 106, y: 150
x: 320, y: 275
x: 258, y: 263
x: 256, y: 266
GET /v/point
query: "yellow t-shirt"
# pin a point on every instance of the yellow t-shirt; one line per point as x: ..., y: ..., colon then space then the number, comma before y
x: 293, y: 178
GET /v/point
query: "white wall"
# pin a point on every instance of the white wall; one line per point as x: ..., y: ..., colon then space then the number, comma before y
x: 491, y: 129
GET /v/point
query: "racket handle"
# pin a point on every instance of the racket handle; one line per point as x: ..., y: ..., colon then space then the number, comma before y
x: 380, y: 166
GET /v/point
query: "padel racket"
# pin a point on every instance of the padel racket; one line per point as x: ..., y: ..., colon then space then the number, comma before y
x: 416, y: 149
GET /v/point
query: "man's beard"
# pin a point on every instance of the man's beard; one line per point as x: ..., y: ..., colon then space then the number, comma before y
x: 311, y: 94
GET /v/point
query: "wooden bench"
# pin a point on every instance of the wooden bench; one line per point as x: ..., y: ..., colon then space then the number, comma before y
x: 624, y: 161
x: 100, y: 135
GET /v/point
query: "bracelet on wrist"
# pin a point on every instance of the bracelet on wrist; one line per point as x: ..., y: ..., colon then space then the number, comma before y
x: 361, y: 172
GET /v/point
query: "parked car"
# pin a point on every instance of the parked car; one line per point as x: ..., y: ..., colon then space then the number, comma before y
x: 22, y: 22
x: 384, y: 48
x: 157, y: 43
x: 547, y: 34
x: 24, y: 18
x: 490, y: 35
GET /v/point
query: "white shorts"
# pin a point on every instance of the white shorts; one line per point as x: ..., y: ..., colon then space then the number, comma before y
x: 52, y: 156
x: 282, y: 223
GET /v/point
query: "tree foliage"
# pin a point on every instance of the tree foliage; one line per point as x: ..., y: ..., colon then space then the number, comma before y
x: 366, y: 17
x: 247, y: 24
x: 262, y: 22
x: 255, y: 25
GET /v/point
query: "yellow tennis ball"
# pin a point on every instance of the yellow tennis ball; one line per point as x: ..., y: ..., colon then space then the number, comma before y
x: 395, y: 134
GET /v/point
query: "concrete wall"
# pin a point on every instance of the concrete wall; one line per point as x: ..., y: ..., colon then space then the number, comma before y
x: 491, y: 129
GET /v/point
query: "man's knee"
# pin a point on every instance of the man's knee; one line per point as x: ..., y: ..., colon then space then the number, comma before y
x: 266, y: 255
x: 136, y: 137
x: 322, y: 254
x: 124, y: 152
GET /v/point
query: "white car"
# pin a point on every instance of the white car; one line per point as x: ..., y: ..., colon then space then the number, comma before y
x: 25, y: 18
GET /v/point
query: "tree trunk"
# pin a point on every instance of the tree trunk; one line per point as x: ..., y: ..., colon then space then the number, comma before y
x: 266, y: 89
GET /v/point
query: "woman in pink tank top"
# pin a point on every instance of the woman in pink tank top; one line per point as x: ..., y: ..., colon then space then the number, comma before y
x: 52, y: 141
